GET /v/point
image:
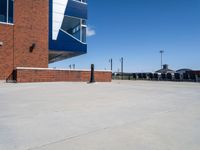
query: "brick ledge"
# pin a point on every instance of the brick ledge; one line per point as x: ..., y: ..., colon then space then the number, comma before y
x: 58, y: 69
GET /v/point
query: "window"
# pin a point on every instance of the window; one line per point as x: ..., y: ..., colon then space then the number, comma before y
x: 3, y: 10
x: 10, y: 11
x: 84, y: 34
x: 6, y: 11
x: 75, y: 27
x: 83, y: 22
x: 83, y: 1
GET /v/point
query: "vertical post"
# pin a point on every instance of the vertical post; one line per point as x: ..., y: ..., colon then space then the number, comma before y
x: 73, y: 66
x: 111, y: 64
x: 92, y: 80
x: 81, y: 38
x: 122, y: 67
x: 161, y: 55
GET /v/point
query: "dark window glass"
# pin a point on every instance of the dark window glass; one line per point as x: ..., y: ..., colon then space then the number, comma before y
x: 10, y: 12
x: 84, y: 34
x: 3, y: 10
x: 84, y: 22
x: 72, y: 26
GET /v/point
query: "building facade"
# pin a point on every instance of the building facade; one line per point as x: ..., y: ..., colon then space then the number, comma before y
x: 67, y: 28
x: 34, y: 33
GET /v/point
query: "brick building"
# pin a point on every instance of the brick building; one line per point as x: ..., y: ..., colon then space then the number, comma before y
x: 34, y: 33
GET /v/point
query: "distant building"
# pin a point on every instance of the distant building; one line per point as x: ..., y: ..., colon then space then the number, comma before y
x: 184, y: 70
x: 194, y: 72
x: 165, y: 70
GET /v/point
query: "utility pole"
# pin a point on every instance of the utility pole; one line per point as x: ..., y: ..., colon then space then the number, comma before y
x: 161, y: 56
x: 122, y: 67
x: 111, y: 64
x: 74, y: 66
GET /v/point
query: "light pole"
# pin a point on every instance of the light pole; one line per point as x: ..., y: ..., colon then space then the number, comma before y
x: 74, y: 66
x: 122, y: 66
x: 111, y: 64
x: 161, y: 56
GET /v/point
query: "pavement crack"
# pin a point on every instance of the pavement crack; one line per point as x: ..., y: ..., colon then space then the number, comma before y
x: 69, y: 138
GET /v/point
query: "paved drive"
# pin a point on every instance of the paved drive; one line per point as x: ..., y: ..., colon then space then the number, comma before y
x: 122, y: 115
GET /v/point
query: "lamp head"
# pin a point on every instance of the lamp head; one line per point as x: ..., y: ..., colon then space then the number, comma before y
x: 1, y: 44
x: 32, y: 47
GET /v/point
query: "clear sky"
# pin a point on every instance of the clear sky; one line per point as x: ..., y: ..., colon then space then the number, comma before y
x: 137, y: 30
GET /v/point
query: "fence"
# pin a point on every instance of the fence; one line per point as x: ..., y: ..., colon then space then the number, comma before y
x: 190, y: 77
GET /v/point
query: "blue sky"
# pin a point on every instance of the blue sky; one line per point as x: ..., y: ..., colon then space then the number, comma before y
x: 137, y: 30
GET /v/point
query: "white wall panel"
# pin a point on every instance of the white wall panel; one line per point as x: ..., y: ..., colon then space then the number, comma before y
x: 59, y: 7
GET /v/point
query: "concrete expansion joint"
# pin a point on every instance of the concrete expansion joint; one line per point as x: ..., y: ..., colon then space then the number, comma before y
x: 149, y: 117
x: 69, y: 138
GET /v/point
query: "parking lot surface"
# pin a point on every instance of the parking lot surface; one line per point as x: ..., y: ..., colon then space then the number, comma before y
x: 122, y: 115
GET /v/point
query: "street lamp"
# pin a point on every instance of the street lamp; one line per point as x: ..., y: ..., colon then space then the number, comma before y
x: 111, y: 64
x: 161, y: 55
x: 74, y: 66
x: 122, y: 66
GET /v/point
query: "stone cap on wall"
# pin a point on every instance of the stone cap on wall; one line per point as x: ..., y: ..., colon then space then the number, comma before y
x: 58, y: 69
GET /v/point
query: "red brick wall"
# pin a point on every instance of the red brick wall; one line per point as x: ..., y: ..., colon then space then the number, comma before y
x: 38, y: 75
x: 6, y: 51
x: 30, y: 26
x: 196, y: 72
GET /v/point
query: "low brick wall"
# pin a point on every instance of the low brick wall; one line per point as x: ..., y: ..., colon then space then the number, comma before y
x: 195, y: 72
x: 53, y: 75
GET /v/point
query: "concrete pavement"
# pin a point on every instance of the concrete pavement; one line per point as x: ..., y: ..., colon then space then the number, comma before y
x: 122, y: 115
